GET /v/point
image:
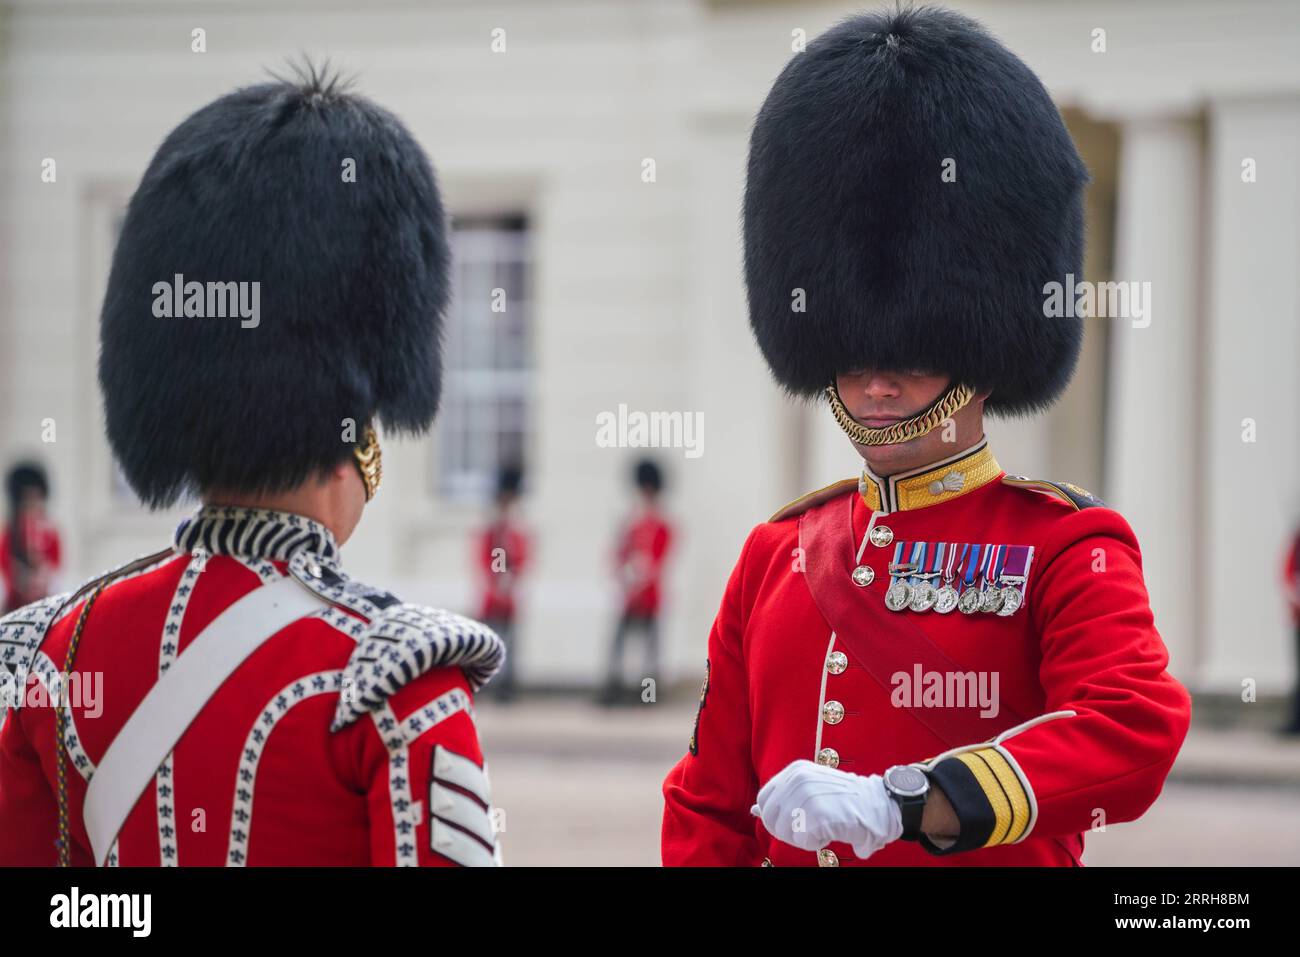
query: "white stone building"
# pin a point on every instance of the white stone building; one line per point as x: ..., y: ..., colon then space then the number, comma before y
x: 629, y: 292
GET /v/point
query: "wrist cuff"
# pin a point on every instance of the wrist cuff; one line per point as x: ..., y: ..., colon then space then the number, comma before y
x: 987, y: 795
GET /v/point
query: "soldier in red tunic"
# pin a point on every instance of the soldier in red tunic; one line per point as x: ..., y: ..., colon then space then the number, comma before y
x: 1291, y: 583
x: 30, y: 550
x: 502, y: 554
x: 639, y: 560
x: 935, y: 663
x: 236, y: 698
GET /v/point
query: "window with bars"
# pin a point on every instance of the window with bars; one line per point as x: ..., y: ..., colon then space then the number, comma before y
x: 483, y: 423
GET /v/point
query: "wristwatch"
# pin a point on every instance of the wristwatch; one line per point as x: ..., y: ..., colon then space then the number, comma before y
x: 910, y: 787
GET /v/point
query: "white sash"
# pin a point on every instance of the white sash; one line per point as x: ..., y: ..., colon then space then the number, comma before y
x: 176, y: 699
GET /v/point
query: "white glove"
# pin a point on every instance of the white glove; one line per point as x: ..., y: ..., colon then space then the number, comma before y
x: 809, y: 806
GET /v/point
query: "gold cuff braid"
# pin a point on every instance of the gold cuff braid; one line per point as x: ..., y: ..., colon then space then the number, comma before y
x: 919, y: 424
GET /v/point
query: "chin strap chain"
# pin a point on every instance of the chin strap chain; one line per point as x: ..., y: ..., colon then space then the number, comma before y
x: 940, y: 410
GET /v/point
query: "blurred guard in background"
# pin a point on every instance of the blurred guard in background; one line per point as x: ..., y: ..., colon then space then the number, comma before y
x: 936, y: 662
x: 1292, y: 584
x: 29, y: 542
x: 502, y: 557
x: 301, y: 716
x: 642, y: 550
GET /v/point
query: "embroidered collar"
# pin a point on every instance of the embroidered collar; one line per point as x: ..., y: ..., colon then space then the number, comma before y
x: 254, y: 533
x: 932, y: 483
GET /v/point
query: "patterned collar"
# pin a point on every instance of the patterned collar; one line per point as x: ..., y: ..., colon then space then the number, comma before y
x: 930, y: 484
x: 254, y: 533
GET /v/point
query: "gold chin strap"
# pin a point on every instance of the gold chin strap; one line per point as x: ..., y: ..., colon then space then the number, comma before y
x: 942, y: 408
x: 370, y: 462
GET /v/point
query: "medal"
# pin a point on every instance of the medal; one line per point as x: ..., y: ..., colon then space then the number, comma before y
x: 899, y: 594
x: 924, y: 594
x: 1014, y: 577
x: 945, y: 600
x: 991, y: 599
x: 969, y: 602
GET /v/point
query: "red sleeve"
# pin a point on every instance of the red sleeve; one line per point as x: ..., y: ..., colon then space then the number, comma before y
x: 423, y: 772
x: 483, y: 552
x: 28, y: 810
x: 55, y: 555
x: 1114, y: 717
x: 522, y: 554
x: 662, y: 540
x: 6, y: 561
x: 707, y: 796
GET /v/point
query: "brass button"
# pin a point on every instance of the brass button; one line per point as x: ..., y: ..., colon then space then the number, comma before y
x: 863, y: 575
x: 881, y: 536
x: 767, y: 862
x: 832, y: 712
x: 829, y: 757
x: 827, y: 858
x: 836, y: 662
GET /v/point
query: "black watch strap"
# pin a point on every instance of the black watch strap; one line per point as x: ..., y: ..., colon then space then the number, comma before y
x: 912, y: 807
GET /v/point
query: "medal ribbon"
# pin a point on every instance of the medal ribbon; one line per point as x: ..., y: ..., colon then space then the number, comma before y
x: 973, y: 564
x: 937, y: 564
x: 994, y: 570
x: 952, y: 561
x: 919, y: 553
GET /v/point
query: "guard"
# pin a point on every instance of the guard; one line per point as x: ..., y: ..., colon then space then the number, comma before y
x: 258, y: 705
x: 934, y: 663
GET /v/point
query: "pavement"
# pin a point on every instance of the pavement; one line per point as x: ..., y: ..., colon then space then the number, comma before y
x: 579, y: 785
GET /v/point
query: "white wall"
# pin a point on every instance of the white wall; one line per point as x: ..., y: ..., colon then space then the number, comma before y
x: 638, y: 293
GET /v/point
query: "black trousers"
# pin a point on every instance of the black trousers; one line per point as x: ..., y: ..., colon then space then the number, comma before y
x: 503, y: 682
x: 646, y: 625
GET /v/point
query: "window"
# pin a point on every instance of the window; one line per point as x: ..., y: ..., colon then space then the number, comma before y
x: 488, y: 364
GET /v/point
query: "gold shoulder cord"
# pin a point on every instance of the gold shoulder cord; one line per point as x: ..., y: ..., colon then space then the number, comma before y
x: 60, y: 743
x: 919, y: 424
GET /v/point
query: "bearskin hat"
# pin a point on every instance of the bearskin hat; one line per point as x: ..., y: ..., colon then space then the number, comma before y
x: 648, y: 476
x: 911, y: 191
x: 279, y: 283
x: 24, y: 476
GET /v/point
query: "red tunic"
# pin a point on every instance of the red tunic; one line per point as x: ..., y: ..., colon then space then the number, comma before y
x: 503, y: 555
x: 279, y: 767
x: 1082, y: 657
x: 1291, y: 578
x: 41, y: 544
x: 642, y: 550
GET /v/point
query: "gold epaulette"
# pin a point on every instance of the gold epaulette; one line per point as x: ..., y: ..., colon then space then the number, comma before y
x: 1080, y: 498
x: 801, y: 505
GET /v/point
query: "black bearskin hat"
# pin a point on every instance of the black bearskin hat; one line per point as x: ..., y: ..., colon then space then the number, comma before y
x: 648, y: 476
x: 24, y: 476
x: 847, y: 200
x: 324, y: 201
x: 509, y: 480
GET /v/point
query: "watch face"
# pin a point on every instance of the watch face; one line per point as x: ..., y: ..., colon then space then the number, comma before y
x: 906, y: 780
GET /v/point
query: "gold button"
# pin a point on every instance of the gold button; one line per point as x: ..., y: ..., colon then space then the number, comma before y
x: 881, y: 536
x: 832, y: 712
x: 829, y: 757
x: 827, y: 858
x: 862, y: 575
x: 836, y: 662
x: 767, y: 862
